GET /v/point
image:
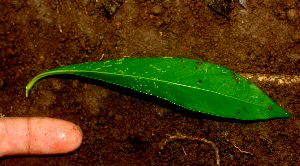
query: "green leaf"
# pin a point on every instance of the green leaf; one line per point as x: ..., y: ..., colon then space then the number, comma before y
x: 193, y: 84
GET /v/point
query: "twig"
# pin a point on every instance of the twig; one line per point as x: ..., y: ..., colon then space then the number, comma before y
x: 101, y: 57
x: 242, y: 151
x: 59, y: 24
x: 280, y: 79
x: 181, y: 136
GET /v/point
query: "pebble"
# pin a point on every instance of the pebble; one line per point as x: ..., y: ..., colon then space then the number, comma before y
x: 57, y: 84
x: 167, y: 20
x: 118, y: 135
x: 226, y: 133
x: 75, y: 83
x: 158, y: 23
x: 166, y: 4
x: 292, y: 14
x: 294, y: 57
x: 161, y: 113
x: 295, y: 36
x: 156, y: 9
x: 111, y: 7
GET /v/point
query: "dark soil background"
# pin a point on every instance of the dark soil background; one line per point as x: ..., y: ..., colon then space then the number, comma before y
x: 122, y: 127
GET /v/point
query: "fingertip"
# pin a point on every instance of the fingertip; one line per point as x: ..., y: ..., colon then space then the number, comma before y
x: 56, y: 136
x: 38, y: 136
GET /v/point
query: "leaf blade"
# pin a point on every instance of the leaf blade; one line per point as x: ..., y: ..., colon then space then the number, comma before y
x: 192, y: 84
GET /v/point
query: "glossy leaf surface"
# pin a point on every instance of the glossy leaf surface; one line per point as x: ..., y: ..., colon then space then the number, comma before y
x: 192, y: 84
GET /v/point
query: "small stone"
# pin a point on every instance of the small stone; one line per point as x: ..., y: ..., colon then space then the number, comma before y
x: 116, y: 133
x: 166, y: 4
x: 75, y: 83
x: 223, y: 7
x: 292, y: 14
x: 158, y: 23
x: 161, y: 113
x: 118, y: 24
x: 226, y: 133
x: 156, y: 9
x: 167, y: 20
x: 111, y: 7
x: 294, y: 57
x: 151, y: 16
x: 57, y: 85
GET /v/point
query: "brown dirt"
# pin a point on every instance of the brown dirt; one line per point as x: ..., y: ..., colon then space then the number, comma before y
x: 122, y: 127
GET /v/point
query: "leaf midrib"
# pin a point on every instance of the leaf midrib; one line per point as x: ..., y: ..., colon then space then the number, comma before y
x: 140, y: 77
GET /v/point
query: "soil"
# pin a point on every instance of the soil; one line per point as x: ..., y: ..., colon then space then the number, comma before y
x: 122, y: 127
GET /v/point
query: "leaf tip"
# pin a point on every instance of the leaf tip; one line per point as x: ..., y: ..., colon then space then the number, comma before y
x: 288, y: 115
x: 283, y: 114
x: 27, y: 92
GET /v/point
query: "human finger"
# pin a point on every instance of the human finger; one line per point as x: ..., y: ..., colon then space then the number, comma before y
x: 38, y: 136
